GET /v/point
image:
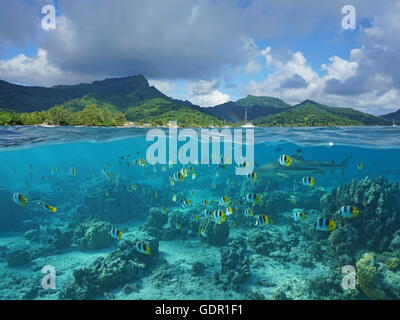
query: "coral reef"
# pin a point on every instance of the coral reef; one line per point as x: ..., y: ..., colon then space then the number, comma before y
x: 379, y: 204
x: 155, y: 222
x: 235, y: 265
x: 367, y: 276
x: 216, y: 234
x: 119, y: 268
x: 18, y: 258
x: 93, y: 235
x: 198, y: 268
x: 114, y: 204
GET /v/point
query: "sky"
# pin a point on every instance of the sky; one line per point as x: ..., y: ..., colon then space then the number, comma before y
x: 212, y: 51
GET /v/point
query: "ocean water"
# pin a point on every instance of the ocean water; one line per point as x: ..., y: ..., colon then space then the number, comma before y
x: 94, y: 179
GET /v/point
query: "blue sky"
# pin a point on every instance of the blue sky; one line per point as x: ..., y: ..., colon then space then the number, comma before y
x: 212, y: 51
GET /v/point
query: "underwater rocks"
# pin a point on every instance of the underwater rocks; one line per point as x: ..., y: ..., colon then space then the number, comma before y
x: 235, y: 265
x: 53, y: 239
x: 115, y: 204
x: 395, y: 243
x: 216, y: 234
x: 198, y: 268
x: 261, y: 243
x: 269, y: 243
x: 378, y: 275
x: 379, y: 204
x: 93, y: 235
x: 122, y: 266
x: 156, y: 218
x: 32, y: 235
x: 155, y: 222
x: 18, y: 258
x: 328, y: 287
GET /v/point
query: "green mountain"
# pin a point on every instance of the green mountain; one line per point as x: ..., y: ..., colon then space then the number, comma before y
x: 122, y: 92
x: 393, y: 116
x: 310, y: 113
x: 256, y: 107
x: 111, y: 102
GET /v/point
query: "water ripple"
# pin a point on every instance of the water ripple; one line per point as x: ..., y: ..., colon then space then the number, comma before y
x: 368, y: 137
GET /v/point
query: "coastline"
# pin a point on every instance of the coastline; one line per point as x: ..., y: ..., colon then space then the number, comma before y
x: 139, y: 126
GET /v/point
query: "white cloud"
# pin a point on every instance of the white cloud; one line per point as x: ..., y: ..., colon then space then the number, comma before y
x: 37, y: 70
x: 205, y: 94
x: 166, y: 87
x: 253, y: 64
x: 339, y: 68
x: 334, y: 88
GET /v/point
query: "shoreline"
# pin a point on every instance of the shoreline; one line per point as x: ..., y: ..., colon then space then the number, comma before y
x: 208, y: 127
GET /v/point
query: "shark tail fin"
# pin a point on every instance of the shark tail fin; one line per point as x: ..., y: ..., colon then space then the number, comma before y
x: 345, y: 162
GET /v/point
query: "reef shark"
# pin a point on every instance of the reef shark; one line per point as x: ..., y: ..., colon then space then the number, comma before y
x: 300, y: 167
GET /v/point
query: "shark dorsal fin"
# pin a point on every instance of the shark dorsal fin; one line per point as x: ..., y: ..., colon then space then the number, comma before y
x: 297, y: 156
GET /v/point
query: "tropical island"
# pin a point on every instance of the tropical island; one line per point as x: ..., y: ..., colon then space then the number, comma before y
x: 131, y: 101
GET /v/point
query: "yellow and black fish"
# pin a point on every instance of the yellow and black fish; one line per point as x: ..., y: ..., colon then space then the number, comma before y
x: 229, y: 211
x: 285, y: 160
x: 349, y: 212
x: 178, y: 176
x: 194, y: 217
x: 72, y: 172
x: 224, y: 201
x: 243, y: 164
x: 253, y: 198
x: 219, y: 216
x: 299, y: 215
x: 20, y: 199
x: 248, y: 212
x: 184, y: 172
x: 251, y: 176
x: 48, y: 208
x: 116, y: 234
x: 140, y: 162
x: 262, y: 220
x: 184, y: 203
x: 143, y: 248
x: 308, y: 181
x: 325, y: 224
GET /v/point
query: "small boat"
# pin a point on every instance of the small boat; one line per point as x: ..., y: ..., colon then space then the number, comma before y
x: 247, y: 124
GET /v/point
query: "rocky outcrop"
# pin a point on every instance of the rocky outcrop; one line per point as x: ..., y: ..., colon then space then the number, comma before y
x: 122, y: 266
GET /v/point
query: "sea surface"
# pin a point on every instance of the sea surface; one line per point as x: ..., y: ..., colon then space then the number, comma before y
x: 66, y: 192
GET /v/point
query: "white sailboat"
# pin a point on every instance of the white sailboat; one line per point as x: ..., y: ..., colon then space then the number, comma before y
x: 394, y: 123
x: 247, y: 124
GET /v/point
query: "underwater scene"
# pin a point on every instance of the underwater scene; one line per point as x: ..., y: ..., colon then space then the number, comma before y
x: 84, y: 215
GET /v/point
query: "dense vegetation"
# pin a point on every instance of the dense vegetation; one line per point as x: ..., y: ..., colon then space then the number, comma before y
x: 91, y: 115
x: 113, y: 102
x: 251, y: 101
x: 256, y: 107
x: 109, y: 102
x: 393, y: 116
x: 122, y: 92
x: 312, y: 114
x: 160, y: 111
x: 92, y: 112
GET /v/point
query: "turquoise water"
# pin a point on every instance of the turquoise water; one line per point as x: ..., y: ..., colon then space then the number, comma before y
x: 92, y: 179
